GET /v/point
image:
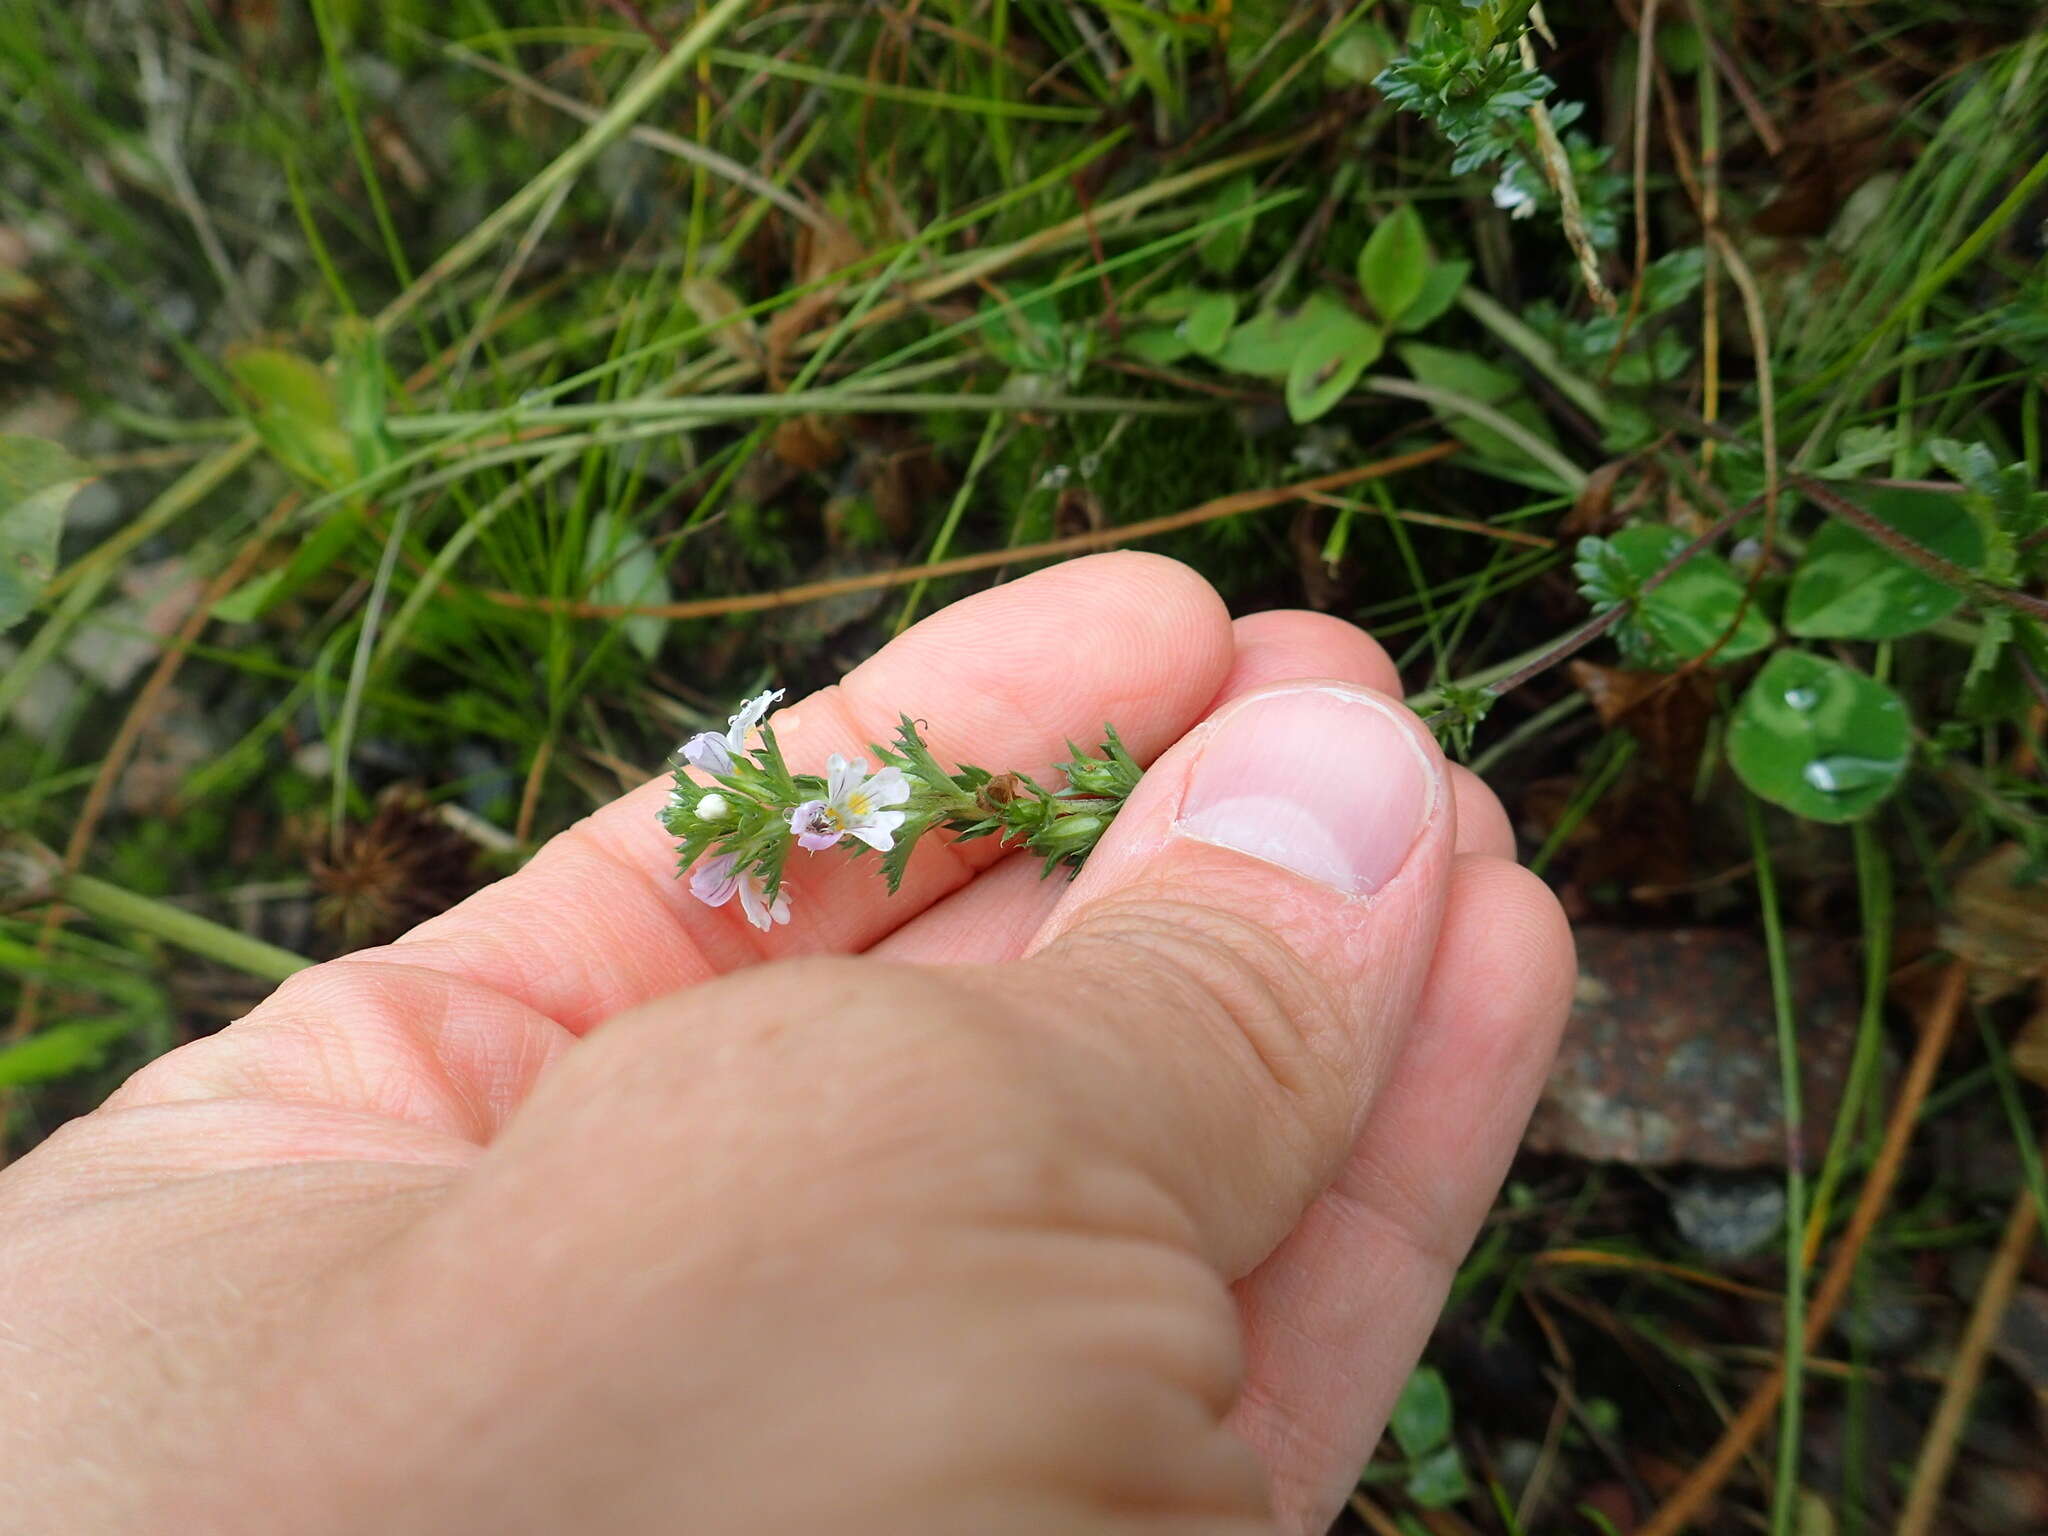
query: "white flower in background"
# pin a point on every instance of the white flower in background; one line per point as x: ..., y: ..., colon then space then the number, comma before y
x: 855, y: 805
x: 1513, y: 195
x: 717, y: 880
x: 713, y: 751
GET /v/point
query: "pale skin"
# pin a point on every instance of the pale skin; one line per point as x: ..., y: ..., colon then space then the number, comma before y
x: 1000, y: 1205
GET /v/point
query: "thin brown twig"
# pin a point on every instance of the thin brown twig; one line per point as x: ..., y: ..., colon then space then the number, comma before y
x: 1557, y: 168
x: 960, y: 565
x: 1438, y: 520
x: 1377, y: 1520
x: 1745, y: 96
x: 1938, y: 1449
x: 1701, y: 1484
x: 529, y: 799
x: 1601, y: 1258
x: 1646, y: 45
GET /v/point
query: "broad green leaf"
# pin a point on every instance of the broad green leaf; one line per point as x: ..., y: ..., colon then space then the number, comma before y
x: 1223, y: 247
x: 627, y: 571
x: 1439, y: 293
x: 1821, y: 739
x: 1336, y: 348
x: 1693, y: 611
x: 59, y: 1051
x: 37, y: 481
x: 294, y: 407
x: 1463, y: 374
x: 1208, y: 322
x: 1171, y: 303
x: 1421, y: 1420
x: 1849, y: 587
x: 1673, y: 278
x: 1263, y: 346
x: 1157, y: 344
x: 1395, y: 263
x: 1438, y: 1480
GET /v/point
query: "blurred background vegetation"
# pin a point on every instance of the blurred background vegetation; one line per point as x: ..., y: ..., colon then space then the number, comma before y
x: 418, y: 415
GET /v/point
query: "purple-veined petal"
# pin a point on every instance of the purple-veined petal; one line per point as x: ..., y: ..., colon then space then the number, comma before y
x: 842, y: 777
x: 708, y: 752
x: 753, y: 900
x: 815, y: 825
x: 714, y: 880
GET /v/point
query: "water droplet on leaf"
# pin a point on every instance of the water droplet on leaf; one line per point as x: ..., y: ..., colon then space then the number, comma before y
x: 1801, y: 699
x: 1843, y: 774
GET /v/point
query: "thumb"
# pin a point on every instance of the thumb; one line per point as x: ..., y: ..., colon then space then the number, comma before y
x: 1248, y: 944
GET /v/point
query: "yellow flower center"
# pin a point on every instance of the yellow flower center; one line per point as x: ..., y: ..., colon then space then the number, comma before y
x: 859, y: 804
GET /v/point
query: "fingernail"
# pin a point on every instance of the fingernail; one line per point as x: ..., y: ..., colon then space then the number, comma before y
x: 1318, y: 780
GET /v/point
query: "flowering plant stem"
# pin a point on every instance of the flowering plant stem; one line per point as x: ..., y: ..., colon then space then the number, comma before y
x: 735, y: 834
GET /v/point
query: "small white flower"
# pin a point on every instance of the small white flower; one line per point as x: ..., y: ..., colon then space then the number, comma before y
x: 717, y: 880
x: 855, y: 805
x: 713, y: 751
x: 754, y: 902
x: 712, y: 808
x: 1512, y: 196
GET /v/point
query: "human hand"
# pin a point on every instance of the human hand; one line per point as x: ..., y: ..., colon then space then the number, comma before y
x: 1113, y: 1205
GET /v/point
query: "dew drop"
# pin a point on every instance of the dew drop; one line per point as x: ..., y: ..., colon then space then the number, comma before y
x: 1801, y: 699
x: 1842, y: 774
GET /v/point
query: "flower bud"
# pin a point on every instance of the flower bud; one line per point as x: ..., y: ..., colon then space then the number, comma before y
x: 712, y: 807
x: 1069, y: 834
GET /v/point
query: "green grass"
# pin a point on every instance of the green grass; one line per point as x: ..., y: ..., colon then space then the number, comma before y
x: 406, y: 331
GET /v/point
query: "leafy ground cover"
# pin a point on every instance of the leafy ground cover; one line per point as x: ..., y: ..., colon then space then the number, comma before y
x: 415, y: 418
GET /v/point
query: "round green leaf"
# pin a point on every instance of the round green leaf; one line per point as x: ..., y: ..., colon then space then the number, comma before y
x: 1823, y: 740
x: 1395, y: 263
x: 1688, y: 614
x: 1438, y: 1479
x: 1208, y: 322
x: 1336, y: 348
x: 1849, y: 587
x: 1263, y: 346
x: 1439, y: 292
x: 1421, y: 1420
x: 1158, y: 344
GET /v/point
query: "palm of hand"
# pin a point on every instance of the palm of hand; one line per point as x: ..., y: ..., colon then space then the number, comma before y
x: 399, y: 1229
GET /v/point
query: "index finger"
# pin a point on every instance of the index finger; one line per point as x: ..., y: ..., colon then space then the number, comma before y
x: 597, y: 922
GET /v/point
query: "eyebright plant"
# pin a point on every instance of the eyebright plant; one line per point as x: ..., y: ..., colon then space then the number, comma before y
x: 735, y: 834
